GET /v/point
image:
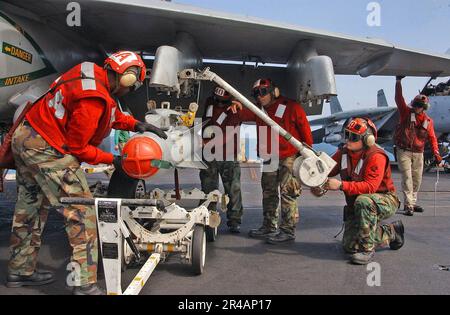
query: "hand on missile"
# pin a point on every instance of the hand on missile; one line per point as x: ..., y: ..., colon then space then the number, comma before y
x: 318, y: 191
x: 142, y: 127
x: 333, y: 184
x: 399, y: 77
x: 235, y: 106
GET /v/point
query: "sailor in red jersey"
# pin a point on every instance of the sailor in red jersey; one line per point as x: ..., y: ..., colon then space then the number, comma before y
x: 281, y: 182
x: 60, y: 131
x: 369, y: 191
x: 413, y: 131
x: 221, y: 134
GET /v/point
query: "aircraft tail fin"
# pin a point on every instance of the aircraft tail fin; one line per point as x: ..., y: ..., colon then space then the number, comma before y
x: 381, y: 99
x: 335, y: 105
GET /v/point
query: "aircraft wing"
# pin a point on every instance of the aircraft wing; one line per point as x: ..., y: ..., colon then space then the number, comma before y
x: 147, y: 24
x: 375, y: 114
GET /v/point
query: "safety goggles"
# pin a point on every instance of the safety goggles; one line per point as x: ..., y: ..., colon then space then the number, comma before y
x: 418, y: 105
x: 351, y: 136
x: 262, y: 91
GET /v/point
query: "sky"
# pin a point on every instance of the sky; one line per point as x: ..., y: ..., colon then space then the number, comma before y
x: 418, y: 24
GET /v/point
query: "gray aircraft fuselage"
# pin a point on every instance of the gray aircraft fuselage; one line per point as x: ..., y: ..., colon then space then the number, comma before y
x: 440, y: 113
x: 32, y: 55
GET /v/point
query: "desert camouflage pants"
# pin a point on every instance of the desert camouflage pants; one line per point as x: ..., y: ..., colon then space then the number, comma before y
x: 230, y: 172
x: 363, y: 229
x: 43, y: 176
x: 281, y: 183
x: 410, y: 165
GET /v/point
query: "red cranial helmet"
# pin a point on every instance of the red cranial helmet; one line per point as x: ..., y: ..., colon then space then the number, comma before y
x: 262, y: 87
x: 361, y: 129
x: 129, y: 65
x: 421, y: 101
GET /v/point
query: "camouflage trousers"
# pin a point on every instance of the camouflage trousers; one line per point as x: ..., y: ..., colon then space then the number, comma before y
x: 363, y: 229
x: 230, y: 172
x: 43, y: 176
x: 281, y: 183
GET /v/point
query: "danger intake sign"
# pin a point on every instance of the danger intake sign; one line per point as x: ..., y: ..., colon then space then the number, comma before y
x: 17, y: 52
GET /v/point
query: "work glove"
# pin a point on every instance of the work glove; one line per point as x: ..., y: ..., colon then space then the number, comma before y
x: 438, y: 159
x: 399, y: 77
x: 142, y: 127
x: 318, y: 191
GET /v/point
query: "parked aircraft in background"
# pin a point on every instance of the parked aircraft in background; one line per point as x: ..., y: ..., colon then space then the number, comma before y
x: 332, y: 126
x: 38, y: 44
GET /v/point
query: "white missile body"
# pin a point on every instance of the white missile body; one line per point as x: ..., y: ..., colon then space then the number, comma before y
x: 183, y: 146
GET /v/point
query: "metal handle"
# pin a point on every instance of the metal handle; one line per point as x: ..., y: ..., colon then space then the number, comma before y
x: 125, y: 202
x: 258, y: 112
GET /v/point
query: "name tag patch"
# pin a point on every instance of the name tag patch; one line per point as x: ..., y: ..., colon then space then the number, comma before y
x: 280, y: 111
x: 344, y: 162
x: 221, y: 118
x: 209, y: 111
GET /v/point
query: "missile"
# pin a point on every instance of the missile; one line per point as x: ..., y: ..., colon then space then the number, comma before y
x: 145, y: 154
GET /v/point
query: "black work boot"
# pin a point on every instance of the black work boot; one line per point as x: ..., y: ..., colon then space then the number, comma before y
x: 234, y: 228
x: 418, y: 209
x: 399, y: 239
x: 262, y: 232
x: 409, y: 211
x: 37, y: 278
x: 362, y: 258
x: 89, y: 289
x: 280, y: 238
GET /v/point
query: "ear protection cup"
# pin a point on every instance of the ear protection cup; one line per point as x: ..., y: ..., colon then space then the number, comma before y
x: 369, y: 140
x: 128, y: 78
x: 426, y: 107
x: 276, y: 92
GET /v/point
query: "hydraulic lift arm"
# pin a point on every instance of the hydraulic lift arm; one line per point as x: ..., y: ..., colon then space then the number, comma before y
x: 312, y: 168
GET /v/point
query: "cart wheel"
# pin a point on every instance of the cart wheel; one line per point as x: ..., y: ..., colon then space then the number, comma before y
x: 123, y: 186
x: 198, y: 254
x: 125, y: 251
x: 211, y: 234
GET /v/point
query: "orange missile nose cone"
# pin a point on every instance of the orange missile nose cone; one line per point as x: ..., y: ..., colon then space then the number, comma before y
x: 137, y: 157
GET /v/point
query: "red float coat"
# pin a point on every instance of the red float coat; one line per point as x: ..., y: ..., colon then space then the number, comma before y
x: 79, y: 113
x: 290, y: 116
x: 364, y: 172
x: 228, y: 122
x: 414, y: 129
